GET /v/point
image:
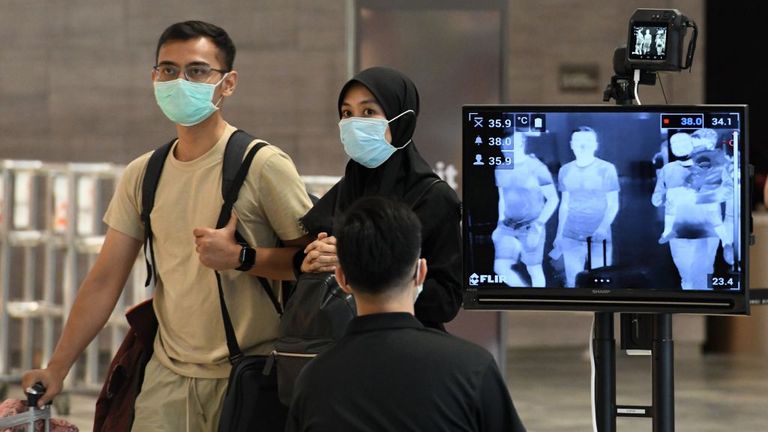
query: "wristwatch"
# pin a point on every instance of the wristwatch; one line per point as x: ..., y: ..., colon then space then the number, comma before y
x: 247, y: 257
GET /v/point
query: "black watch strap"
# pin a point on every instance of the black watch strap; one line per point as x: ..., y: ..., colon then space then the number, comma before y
x: 247, y: 258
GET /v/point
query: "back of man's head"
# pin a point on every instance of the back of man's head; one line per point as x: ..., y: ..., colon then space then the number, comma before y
x: 187, y: 30
x: 681, y: 144
x: 378, y: 242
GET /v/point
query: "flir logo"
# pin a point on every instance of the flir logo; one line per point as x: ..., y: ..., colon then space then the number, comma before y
x: 475, y: 279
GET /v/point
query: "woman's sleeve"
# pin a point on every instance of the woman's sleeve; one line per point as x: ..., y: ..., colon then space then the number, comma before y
x: 440, y: 215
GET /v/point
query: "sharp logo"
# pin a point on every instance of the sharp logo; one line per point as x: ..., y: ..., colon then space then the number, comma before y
x: 475, y: 279
x: 599, y: 291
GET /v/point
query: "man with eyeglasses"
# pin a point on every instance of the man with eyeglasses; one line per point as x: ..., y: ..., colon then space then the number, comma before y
x: 186, y: 378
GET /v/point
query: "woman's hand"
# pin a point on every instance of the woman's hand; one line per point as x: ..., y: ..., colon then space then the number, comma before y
x: 320, y: 255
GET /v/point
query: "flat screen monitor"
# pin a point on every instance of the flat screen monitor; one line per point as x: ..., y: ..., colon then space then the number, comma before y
x: 606, y: 208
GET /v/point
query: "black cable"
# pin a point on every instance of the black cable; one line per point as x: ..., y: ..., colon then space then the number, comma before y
x: 691, y: 45
x: 658, y: 78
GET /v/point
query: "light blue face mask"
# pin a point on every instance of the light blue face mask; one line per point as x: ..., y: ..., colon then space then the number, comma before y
x: 184, y: 102
x: 364, y: 139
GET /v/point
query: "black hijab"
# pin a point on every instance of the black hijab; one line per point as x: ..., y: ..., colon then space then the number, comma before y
x: 404, y: 172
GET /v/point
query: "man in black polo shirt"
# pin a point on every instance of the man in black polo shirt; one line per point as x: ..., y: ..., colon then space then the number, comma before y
x: 390, y: 373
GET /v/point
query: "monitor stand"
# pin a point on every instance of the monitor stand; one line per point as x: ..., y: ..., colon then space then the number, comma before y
x: 662, y: 410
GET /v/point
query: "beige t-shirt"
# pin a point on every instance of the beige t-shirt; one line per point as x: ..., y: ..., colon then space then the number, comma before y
x: 190, y: 339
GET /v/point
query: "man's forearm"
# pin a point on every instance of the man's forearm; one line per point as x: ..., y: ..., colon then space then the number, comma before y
x: 95, y: 299
x: 91, y: 310
x: 611, y: 210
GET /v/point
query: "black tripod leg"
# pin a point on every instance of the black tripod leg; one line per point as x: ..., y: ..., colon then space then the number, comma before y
x: 663, y: 375
x: 604, y: 346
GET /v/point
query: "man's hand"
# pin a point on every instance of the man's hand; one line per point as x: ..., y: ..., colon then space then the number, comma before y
x: 217, y: 248
x: 320, y: 255
x: 52, y: 381
x: 534, y: 234
x: 557, y: 250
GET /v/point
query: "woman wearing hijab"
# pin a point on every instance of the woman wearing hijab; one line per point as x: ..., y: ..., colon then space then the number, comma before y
x: 378, y: 108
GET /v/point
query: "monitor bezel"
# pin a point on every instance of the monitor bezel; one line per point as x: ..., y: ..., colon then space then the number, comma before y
x: 616, y: 300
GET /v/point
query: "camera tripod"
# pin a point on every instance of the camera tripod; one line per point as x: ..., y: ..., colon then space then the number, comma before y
x: 641, y: 332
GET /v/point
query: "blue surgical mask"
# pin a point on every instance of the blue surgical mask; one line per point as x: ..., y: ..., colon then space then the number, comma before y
x: 184, y: 102
x: 364, y: 139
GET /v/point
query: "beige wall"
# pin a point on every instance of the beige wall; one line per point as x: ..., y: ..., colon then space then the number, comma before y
x: 75, y: 76
x: 545, y: 34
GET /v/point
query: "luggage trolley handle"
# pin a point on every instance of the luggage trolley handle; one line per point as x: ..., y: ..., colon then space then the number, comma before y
x: 34, y: 393
x: 589, y: 252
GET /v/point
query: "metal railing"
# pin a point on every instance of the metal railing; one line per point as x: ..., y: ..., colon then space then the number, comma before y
x: 50, y: 234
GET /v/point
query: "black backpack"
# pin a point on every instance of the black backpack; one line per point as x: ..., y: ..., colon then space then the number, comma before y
x: 315, y: 317
x: 234, y: 154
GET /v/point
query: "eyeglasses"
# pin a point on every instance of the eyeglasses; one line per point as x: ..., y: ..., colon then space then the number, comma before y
x: 194, y: 72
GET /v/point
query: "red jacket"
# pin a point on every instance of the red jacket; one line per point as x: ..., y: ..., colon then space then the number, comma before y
x: 115, y: 404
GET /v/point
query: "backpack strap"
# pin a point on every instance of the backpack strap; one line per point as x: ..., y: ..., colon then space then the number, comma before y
x: 230, y: 196
x: 417, y: 200
x: 235, y: 170
x: 148, y: 189
x: 233, y: 158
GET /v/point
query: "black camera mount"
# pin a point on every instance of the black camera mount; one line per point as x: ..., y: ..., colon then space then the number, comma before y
x: 621, y: 87
x: 654, y: 43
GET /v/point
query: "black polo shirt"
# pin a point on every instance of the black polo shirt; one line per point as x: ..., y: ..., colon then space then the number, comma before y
x: 390, y: 373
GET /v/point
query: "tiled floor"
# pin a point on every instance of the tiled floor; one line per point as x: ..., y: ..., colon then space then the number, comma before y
x: 551, y: 390
x: 713, y: 393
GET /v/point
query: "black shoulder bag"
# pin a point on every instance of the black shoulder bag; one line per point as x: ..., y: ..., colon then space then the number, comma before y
x: 316, y: 316
x: 251, y: 402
